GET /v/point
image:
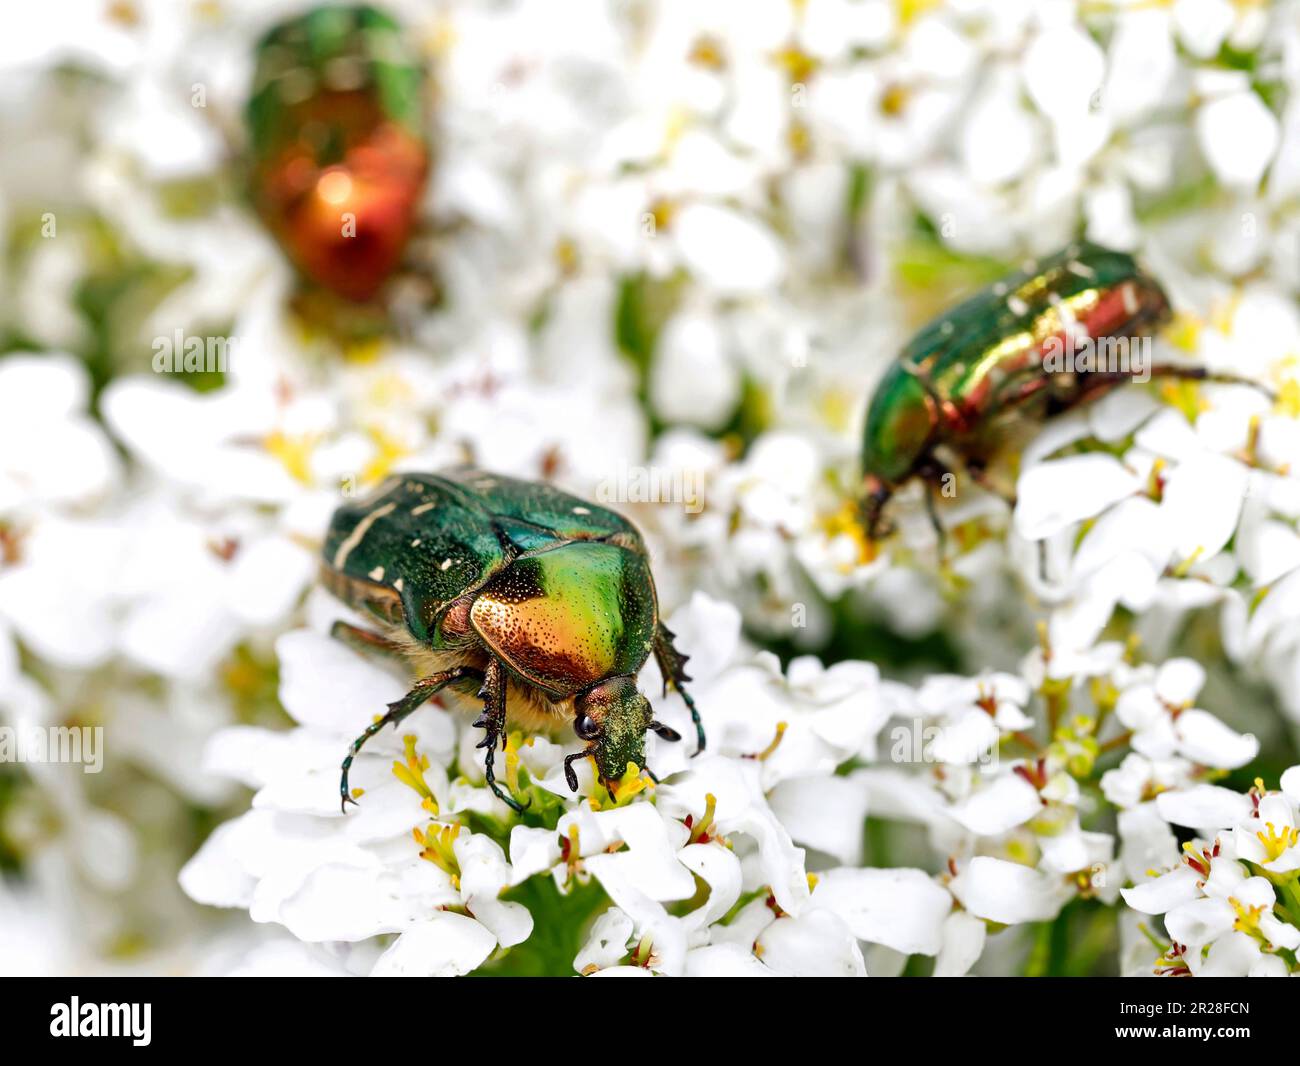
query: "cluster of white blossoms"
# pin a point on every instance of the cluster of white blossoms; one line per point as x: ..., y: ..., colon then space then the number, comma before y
x: 673, y: 249
x: 1230, y: 896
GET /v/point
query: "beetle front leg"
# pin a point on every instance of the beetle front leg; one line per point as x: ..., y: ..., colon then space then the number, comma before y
x: 493, y: 719
x: 672, y: 664
x: 423, y: 690
x: 932, y: 474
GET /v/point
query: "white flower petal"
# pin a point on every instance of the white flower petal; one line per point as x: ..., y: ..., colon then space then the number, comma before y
x: 825, y: 813
x: 815, y: 944
x: 1008, y: 892
x: 1206, y: 807
x: 1165, y: 892
x: 725, y: 960
x: 447, y: 945
x: 1003, y: 804
x: 1238, y: 136
x: 901, y: 908
x: 1206, y: 740
x: 1053, y: 495
x: 607, y: 942
x: 963, y: 943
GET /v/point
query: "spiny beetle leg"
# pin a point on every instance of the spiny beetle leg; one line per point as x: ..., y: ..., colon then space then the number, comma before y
x: 672, y: 664
x: 493, y: 719
x: 423, y: 690
x: 363, y: 639
x: 978, y: 470
x: 1201, y: 373
x: 932, y: 473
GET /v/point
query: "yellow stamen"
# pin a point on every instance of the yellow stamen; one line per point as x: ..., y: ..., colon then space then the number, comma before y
x: 703, y: 829
x: 1186, y: 396
x: 763, y: 755
x: 1185, y: 331
x: 363, y: 350
x: 512, y: 762
x: 707, y: 52
x: 294, y: 453
x: 411, y: 774
x: 847, y: 522
x: 1247, y: 920
x: 799, y: 66
x: 1288, y: 398
x: 1276, y: 842
x: 632, y: 783
x: 439, y: 841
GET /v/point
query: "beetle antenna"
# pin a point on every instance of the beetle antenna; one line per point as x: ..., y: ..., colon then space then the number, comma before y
x: 664, y: 732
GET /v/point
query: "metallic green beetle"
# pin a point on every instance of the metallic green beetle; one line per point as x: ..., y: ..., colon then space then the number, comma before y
x: 536, y: 605
x: 337, y: 125
x: 967, y: 378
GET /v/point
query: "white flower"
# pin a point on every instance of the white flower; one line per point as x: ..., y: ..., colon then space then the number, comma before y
x: 1164, y: 723
x: 1238, y: 134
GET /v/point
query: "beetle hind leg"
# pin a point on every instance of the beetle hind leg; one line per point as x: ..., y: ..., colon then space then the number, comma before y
x: 398, y: 710
x: 493, y: 720
x: 672, y: 664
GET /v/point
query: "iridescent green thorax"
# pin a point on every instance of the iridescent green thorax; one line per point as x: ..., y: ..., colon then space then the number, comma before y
x: 962, y: 372
x: 333, y: 55
x: 569, y: 616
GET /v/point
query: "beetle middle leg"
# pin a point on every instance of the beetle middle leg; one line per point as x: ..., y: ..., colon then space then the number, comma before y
x: 364, y: 639
x: 425, y: 688
x: 672, y: 664
x: 493, y: 719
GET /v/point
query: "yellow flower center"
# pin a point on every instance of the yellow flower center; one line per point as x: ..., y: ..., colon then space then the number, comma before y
x: 847, y: 522
x: 436, y: 844
x: 1276, y: 841
x: 633, y: 782
x: 411, y: 774
x: 294, y: 453
x: 1247, y: 920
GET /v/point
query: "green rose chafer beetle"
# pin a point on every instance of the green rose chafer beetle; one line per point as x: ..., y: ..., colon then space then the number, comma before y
x: 531, y: 604
x: 962, y: 384
x: 340, y: 153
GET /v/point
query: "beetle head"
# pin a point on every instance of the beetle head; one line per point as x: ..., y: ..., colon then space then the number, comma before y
x: 876, y: 492
x: 613, y: 717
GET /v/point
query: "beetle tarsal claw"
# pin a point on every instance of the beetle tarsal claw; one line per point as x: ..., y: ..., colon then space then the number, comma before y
x: 570, y: 777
